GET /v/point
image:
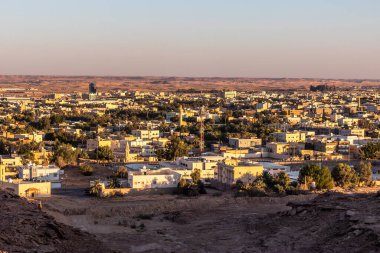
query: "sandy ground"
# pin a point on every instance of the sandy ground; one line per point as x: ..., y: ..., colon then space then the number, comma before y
x: 166, y: 223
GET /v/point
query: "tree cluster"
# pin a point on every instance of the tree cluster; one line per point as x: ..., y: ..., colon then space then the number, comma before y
x: 265, y: 184
x: 175, y: 148
x: 341, y: 175
x: 192, y: 187
x: 370, y: 151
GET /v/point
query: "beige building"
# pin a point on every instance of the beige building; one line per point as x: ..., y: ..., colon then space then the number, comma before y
x: 296, y: 136
x: 233, y: 170
x: 263, y: 106
x: 146, y: 134
x: 283, y: 150
x: 244, y: 143
x: 28, y: 188
x: 229, y: 94
x: 206, y: 167
x: 278, y: 148
x: 35, y: 137
x: 355, y: 131
x: 93, y: 144
x: 9, y: 166
x: 11, y: 160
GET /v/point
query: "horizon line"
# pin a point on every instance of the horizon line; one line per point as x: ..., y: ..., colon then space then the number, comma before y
x: 180, y: 76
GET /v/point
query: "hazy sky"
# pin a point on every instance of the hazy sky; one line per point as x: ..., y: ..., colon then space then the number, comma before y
x: 252, y: 38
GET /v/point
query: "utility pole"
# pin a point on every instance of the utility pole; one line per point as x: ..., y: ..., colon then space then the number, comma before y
x: 202, y: 131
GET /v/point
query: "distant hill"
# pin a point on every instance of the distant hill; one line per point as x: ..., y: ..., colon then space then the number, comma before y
x: 48, y: 84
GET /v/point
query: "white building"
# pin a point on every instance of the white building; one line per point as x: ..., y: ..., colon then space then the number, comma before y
x: 145, y: 179
x: 207, y: 165
x: 49, y: 173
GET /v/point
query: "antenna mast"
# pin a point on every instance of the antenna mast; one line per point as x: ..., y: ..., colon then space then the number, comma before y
x: 202, y: 130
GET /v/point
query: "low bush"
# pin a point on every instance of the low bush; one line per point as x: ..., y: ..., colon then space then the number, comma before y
x: 145, y: 216
x: 86, y: 170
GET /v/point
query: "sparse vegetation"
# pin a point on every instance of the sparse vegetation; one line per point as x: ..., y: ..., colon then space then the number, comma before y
x: 95, y: 189
x: 192, y: 187
x: 86, y: 170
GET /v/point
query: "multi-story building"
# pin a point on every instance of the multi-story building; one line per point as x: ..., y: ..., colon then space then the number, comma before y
x: 353, y: 132
x: 50, y: 173
x: 296, y: 136
x: 233, y: 170
x: 146, y: 134
x: 328, y: 147
x: 244, y: 143
x: 229, y: 94
x: 93, y: 144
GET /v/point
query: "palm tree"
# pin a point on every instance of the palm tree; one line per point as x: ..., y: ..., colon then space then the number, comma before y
x: 95, y: 189
x: 114, y: 183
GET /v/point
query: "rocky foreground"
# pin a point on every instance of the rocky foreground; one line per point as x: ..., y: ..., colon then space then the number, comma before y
x: 332, y: 222
x: 25, y: 228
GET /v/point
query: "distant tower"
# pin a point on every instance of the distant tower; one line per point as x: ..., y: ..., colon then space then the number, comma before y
x: 202, y: 131
x: 92, y: 91
x: 92, y: 88
x: 181, y: 122
x: 127, y: 151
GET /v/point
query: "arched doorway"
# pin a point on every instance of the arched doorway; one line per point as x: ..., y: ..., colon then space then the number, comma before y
x: 32, y: 192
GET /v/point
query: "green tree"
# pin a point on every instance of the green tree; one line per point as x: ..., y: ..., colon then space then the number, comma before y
x: 122, y: 172
x: 370, y: 151
x: 195, y: 175
x: 186, y: 188
x: 324, y: 179
x: 280, y: 182
x: 310, y: 173
x: 259, y: 184
x: 239, y: 185
x: 57, y: 118
x: 364, y: 171
x: 95, y: 189
x: 104, y: 153
x: 114, y: 183
x: 321, y: 176
x: 344, y: 175
x: 44, y: 123
x: 201, y: 187
x: 176, y: 148
x: 65, y: 154
x: 161, y: 154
